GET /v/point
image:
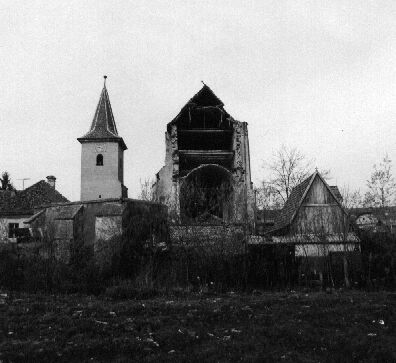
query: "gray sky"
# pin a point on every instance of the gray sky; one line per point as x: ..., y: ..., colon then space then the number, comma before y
x: 318, y: 75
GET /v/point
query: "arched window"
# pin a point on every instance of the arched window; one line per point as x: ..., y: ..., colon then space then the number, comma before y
x: 99, y: 160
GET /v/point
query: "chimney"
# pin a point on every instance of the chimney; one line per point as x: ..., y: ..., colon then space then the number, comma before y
x: 51, y: 180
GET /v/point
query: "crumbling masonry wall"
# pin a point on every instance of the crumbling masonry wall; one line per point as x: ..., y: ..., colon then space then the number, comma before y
x: 243, y: 194
x: 206, y: 136
x: 104, y: 227
x: 167, y: 187
x: 226, y: 239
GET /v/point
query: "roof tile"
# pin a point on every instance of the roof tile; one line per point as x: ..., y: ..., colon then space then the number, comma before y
x: 24, y: 201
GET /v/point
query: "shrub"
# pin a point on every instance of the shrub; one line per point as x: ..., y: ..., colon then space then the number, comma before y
x: 11, y: 273
x: 33, y: 273
x: 379, y: 259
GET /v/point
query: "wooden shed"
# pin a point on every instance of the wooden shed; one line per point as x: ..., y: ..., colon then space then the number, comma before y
x: 314, y: 220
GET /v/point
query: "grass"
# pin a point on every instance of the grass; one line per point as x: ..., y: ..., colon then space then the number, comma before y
x: 347, y: 326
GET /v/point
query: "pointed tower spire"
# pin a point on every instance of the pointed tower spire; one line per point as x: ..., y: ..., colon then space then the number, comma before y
x: 102, y: 155
x: 103, y: 126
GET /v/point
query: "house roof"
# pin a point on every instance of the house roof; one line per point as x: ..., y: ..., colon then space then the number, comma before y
x: 103, y: 126
x: 292, y: 204
x: 67, y: 211
x: 336, y: 192
x: 24, y: 201
x: 5, y: 195
x: 297, y: 195
x: 34, y: 217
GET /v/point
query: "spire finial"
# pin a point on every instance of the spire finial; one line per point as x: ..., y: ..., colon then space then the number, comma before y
x: 105, y: 77
x: 316, y: 169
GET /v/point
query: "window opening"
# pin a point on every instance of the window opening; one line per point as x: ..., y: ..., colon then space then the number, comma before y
x: 12, y: 229
x: 99, y: 160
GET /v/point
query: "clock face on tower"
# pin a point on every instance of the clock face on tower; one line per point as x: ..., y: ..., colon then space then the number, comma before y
x: 100, y: 148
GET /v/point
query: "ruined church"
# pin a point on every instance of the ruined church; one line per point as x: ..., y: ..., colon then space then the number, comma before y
x: 206, y: 178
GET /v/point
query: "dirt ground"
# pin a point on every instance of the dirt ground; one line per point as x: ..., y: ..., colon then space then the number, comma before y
x: 264, y: 327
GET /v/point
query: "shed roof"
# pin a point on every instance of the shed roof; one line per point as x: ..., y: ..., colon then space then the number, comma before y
x: 67, y: 211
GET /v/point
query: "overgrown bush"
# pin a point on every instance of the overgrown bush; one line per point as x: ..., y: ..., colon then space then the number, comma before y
x: 33, y: 272
x: 147, y: 271
x: 379, y: 259
x: 11, y: 272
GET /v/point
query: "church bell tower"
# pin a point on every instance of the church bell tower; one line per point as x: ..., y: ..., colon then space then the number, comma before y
x: 102, y: 155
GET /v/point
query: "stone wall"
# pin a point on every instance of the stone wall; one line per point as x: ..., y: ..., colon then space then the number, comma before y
x: 166, y: 187
x: 244, y: 195
x: 219, y: 239
x: 320, y: 250
x: 108, y: 239
x: 102, y: 226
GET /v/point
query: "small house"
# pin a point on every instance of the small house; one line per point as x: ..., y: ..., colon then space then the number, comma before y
x: 314, y: 220
x: 18, y: 205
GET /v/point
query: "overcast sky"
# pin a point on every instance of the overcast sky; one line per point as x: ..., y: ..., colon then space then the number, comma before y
x: 317, y: 75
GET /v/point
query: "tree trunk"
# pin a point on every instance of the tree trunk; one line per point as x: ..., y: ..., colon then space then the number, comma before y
x: 321, y: 279
x: 369, y: 267
x: 346, y: 274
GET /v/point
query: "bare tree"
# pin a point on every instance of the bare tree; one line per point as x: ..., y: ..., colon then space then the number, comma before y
x: 267, y: 197
x: 351, y: 198
x: 381, y: 185
x: 288, y: 168
x: 146, y: 192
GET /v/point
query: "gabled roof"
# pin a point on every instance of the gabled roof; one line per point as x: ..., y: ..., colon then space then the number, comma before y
x: 24, y: 201
x: 336, y: 192
x: 34, y: 217
x: 205, y: 98
x: 296, y: 198
x: 292, y: 204
x: 103, y: 127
